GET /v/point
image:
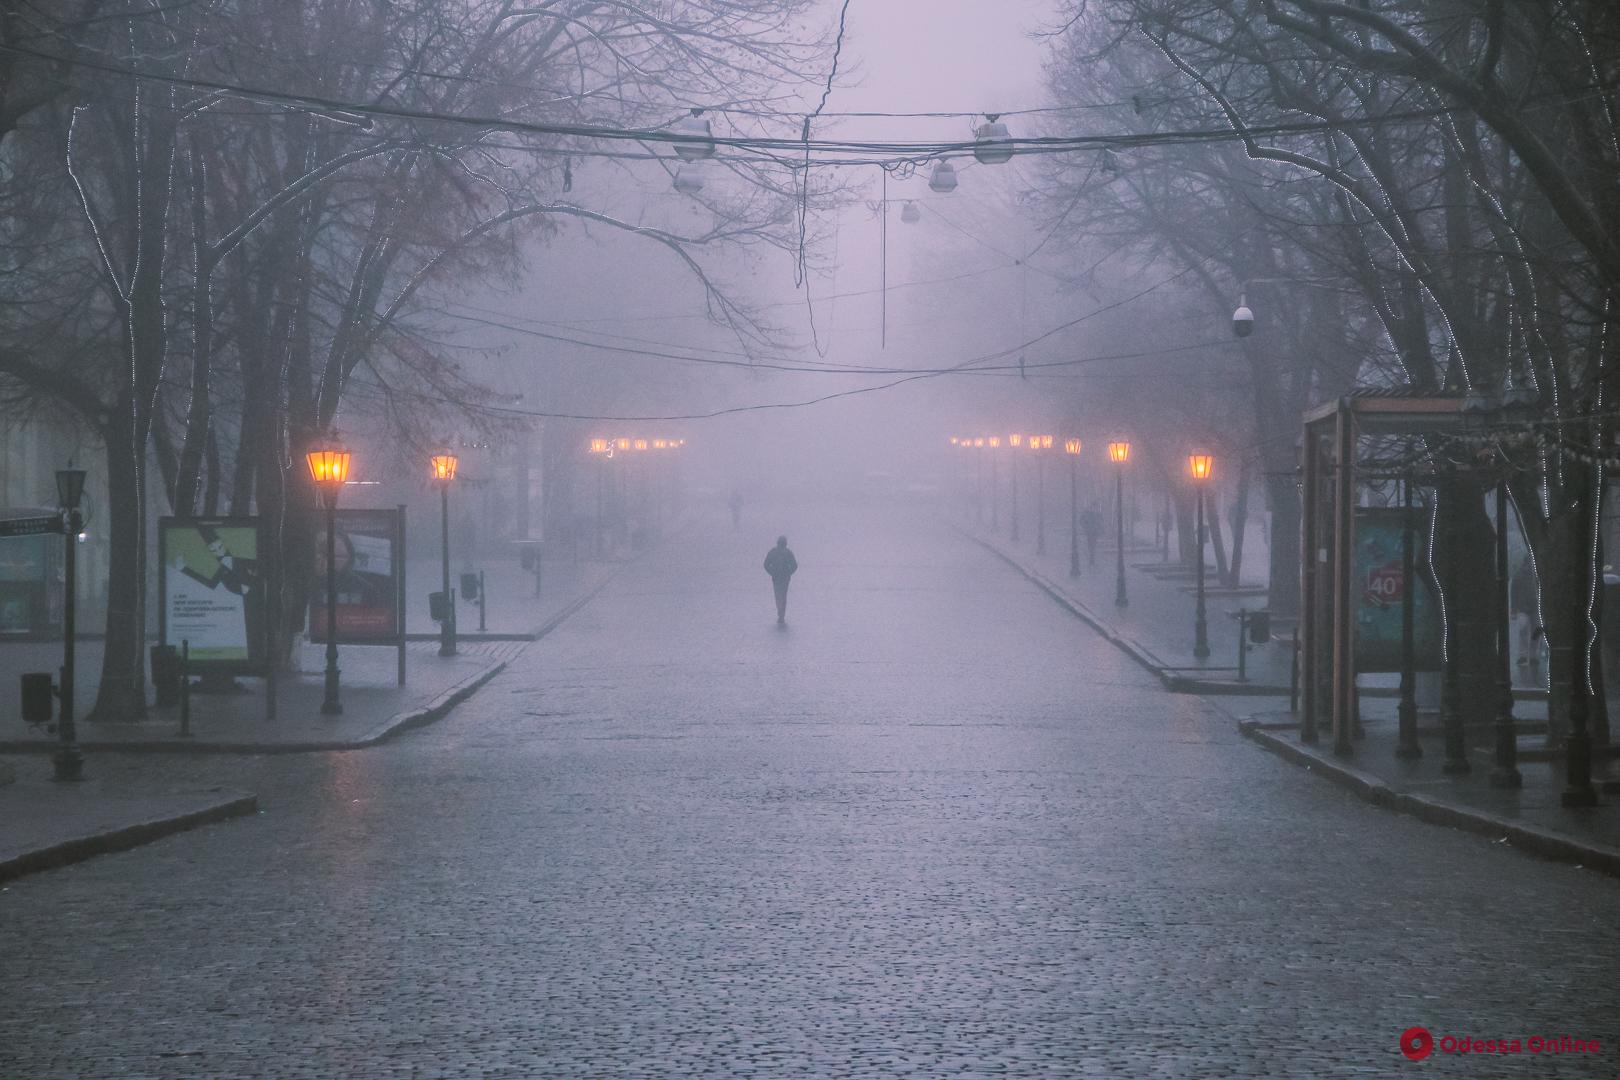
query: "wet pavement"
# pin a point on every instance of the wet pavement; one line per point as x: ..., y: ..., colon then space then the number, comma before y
x: 936, y: 826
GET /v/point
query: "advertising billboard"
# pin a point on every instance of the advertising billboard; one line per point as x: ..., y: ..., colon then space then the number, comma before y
x: 1379, y: 588
x: 212, y: 591
x: 370, y: 579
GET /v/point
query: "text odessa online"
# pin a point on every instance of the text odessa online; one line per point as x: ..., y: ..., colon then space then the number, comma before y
x: 1535, y: 1044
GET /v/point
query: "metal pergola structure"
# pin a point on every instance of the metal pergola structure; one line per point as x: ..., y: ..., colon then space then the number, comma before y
x: 1328, y: 454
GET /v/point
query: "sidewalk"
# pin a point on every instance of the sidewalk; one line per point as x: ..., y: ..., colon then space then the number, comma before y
x: 1156, y: 628
x: 511, y: 609
x: 1530, y: 817
x: 375, y: 707
x: 44, y: 824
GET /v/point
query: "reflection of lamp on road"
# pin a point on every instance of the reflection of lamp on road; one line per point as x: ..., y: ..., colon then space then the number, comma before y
x: 67, y: 762
x: 1201, y: 465
x: 329, y: 468
x: 1071, y: 447
x: 1119, y: 452
x: 444, y: 472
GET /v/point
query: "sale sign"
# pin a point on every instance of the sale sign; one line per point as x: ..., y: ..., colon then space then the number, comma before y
x: 1385, y: 584
x: 1379, y: 570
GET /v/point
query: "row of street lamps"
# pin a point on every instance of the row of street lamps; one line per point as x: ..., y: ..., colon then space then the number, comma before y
x: 1200, y: 467
x: 629, y: 448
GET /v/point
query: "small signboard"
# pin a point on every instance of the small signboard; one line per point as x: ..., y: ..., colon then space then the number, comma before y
x: 31, y: 526
x: 213, y: 593
x: 30, y: 581
x: 370, y: 579
x: 1379, y: 586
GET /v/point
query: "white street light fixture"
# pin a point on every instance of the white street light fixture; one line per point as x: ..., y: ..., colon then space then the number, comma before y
x: 992, y: 144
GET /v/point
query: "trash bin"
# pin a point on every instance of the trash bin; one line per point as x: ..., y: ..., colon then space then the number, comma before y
x: 1260, y: 627
x: 469, y: 588
x: 165, y: 675
x: 37, y: 690
x: 438, y: 610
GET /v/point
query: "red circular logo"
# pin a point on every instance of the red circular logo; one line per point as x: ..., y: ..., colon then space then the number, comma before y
x: 1417, y: 1043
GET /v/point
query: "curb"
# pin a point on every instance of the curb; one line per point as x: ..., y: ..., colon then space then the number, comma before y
x: 433, y: 710
x: 122, y: 839
x: 1531, y: 838
x: 1177, y: 684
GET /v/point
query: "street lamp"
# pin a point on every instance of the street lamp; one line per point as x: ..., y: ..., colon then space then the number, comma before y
x: 993, y: 443
x: 67, y: 762
x: 1071, y: 447
x: 1014, y: 441
x: 1039, y: 444
x: 444, y: 473
x: 329, y: 468
x: 1119, y: 452
x: 1201, y: 465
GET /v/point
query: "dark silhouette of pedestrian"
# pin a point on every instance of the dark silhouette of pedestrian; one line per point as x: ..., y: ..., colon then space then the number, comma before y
x: 780, y: 564
x: 735, y: 502
x: 1091, y: 523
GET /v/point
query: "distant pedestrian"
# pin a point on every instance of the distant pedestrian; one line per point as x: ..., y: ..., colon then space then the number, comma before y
x: 781, y: 565
x: 735, y: 503
x: 1091, y: 523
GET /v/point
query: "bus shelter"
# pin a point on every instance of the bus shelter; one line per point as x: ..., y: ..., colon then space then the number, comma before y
x: 1331, y: 492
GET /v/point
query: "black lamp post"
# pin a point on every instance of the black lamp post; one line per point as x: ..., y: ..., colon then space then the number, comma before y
x: 993, y: 444
x: 329, y: 468
x: 1071, y: 447
x: 444, y: 473
x: 1200, y: 465
x: 1014, y: 441
x: 1119, y: 452
x: 1040, y: 444
x: 68, y: 762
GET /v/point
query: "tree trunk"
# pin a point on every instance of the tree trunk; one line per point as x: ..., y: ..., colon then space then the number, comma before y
x: 1212, y: 521
x: 1283, y: 595
x: 122, y: 693
x: 1470, y: 592
x: 1240, y: 521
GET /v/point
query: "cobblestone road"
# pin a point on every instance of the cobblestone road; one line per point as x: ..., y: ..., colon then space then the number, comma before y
x: 935, y: 827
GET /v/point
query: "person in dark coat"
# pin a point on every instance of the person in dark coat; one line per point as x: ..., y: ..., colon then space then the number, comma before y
x: 780, y: 564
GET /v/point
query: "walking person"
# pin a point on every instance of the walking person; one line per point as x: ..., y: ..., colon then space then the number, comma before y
x: 780, y: 564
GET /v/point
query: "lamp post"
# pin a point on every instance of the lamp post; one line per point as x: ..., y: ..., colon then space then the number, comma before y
x: 1119, y: 452
x: 993, y: 443
x: 444, y: 473
x: 1014, y: 441
x: 68, y: 763
x: 1040, y: 444
x: 1200, y: 465
x: 1071, y: 447
x: 329, y: 468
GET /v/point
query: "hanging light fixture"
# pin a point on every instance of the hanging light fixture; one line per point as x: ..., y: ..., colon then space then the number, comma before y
x: 943, y: 178
x: 697, y: 137
x: 992, y: 145
x: 909, y: 213
x: 690, y: 178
